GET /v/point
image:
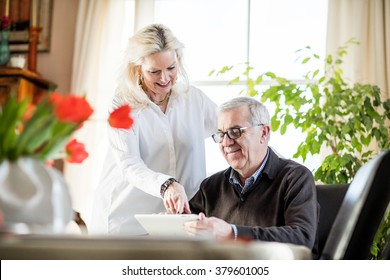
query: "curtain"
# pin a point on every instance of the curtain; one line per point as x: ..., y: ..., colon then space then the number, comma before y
x: 100, y: 34
x: 144, y: 13
x: 368, y: 21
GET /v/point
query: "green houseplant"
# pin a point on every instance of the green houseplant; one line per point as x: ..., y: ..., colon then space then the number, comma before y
x: 345, y: 118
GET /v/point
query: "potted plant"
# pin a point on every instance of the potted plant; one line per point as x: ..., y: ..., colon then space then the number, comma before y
x: 32, y: 136
x: 345, y: 118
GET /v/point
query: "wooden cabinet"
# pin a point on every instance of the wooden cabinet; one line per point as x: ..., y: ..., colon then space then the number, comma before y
x: 24, y: 84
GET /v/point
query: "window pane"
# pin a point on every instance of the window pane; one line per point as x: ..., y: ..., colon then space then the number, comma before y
x: 214, y: 32
x: 279, y: 28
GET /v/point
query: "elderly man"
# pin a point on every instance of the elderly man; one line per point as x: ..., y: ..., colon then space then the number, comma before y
x: 260, y: 196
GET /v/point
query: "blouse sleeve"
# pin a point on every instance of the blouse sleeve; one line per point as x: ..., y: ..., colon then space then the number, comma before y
x: 125, y: 146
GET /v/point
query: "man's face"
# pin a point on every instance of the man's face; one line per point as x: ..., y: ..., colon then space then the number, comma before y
x: 244, y: 154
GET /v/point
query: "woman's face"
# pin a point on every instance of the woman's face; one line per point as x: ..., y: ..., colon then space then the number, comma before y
x: 159, y: 71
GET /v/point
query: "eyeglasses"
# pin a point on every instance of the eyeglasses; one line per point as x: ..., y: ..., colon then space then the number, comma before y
x: 232, y: 133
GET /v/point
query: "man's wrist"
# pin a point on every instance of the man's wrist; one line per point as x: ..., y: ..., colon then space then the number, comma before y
x: 166, y: 185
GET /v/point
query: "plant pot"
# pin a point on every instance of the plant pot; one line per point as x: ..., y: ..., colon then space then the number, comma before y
x: 34, y: 198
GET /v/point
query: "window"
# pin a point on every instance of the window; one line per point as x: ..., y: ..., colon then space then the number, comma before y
x: 231, y: 32
x: 213, y: 31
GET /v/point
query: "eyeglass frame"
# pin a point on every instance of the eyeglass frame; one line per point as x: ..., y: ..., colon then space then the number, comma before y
x: 240, y: 129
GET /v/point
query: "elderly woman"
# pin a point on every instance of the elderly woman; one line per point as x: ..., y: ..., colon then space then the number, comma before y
x: 157, y: 164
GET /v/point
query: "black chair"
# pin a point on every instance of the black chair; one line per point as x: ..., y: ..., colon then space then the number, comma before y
x: 361, y: 212
x: 330, y: 198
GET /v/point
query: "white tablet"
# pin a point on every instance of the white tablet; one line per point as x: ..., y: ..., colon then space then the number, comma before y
x: 165, y: 224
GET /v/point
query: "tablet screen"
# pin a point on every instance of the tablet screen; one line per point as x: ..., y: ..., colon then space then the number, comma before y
x: 165, y: 224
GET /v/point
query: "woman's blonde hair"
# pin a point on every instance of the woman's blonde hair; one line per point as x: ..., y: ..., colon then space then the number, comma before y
x: 151, y: 39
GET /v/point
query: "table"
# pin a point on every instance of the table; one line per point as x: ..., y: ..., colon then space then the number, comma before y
x: 79, y: 247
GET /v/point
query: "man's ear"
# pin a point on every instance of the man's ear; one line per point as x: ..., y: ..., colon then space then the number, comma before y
x: 265, y: 133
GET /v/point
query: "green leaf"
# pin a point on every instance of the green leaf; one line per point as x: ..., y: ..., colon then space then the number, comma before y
x: 365, y: 140
x: 288, y: 119
x: 234, y: 81
x: 28, y: 143
x: 61, y: 133
x: 275, y: 123
x: 10, y: 117
x: 315, y: 73
x: 34, y: 130
x: 259, y: 80
x: 329, y: 59
x: 224, y: 70
x: 356, y: 144
x: 247, y: 70
x: 283, y: 129
x: 305, y: 60
x: 281, y: 81
x: 270, y: 74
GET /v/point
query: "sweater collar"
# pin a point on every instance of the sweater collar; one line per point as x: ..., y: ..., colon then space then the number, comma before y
x: 265, y: 168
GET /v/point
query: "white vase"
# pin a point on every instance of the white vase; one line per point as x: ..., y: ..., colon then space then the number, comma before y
x: 34, y: 198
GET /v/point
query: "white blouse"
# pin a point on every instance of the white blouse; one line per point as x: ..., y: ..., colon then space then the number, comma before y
x: 157, y: 147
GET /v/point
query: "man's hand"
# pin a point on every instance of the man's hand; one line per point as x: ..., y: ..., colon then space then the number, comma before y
x: 209, y: 227
x: 175, y: 199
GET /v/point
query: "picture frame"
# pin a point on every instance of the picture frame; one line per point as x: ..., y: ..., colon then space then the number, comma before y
x: 19, y: 39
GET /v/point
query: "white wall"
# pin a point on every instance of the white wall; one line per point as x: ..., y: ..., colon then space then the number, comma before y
x: 56, y: 65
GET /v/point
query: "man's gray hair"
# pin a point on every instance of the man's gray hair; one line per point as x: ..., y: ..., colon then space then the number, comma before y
x: 259, y: 112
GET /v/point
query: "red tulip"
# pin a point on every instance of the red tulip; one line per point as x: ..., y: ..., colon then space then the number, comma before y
x: 75, y: 152
x: 121, y: 118
x: 71, y: 108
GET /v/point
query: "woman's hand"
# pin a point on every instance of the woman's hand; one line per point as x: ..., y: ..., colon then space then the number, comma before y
x: 209, y: 227
x: 175, y: 199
